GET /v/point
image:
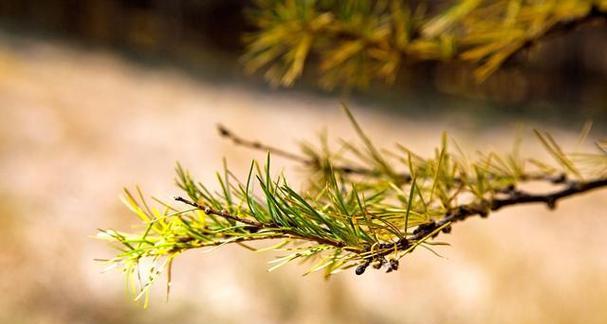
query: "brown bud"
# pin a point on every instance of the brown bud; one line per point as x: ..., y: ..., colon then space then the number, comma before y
x: 377, y: 264
x: 393, y: 265
x: 447, y: 229
x: 551, y: 203
x: 361, y: 269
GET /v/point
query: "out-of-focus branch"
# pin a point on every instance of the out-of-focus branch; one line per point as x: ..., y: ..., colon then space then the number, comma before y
x: 226, y: 133
x: 357, y: 170
x: 357, y: 43
x: 256, y: 145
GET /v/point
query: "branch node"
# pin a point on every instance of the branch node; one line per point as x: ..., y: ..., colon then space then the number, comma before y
x: 551, y: 203
x: 425, y: 228
x: 223, y: 131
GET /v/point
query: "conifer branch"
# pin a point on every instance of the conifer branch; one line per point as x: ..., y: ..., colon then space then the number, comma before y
x: 226, y: 133
x: 315, y: 162
x: 357, y: 42
x: 281, y: 233
x: 340, y: 222
x: 222, y: 213
x: 482, y: 209
x: 311, y: 162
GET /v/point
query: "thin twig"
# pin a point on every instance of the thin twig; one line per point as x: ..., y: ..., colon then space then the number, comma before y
x: 223, y: 213
x: 226, y: 133
x: 285, y: 232
x: 256, y: 145
x: 404, y: 176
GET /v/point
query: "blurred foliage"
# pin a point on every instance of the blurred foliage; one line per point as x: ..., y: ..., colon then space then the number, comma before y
x: 356, y: 42
x: 204, y: 37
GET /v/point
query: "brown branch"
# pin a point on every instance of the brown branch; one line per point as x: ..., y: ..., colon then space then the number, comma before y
x: 256, y: 145
x: 222, y: 213
x: 226, y: 133
x: 192, y: 243
x: 482, y: 209
x: 573, y: 188
x: 422, y: 232
x: 357, y: 170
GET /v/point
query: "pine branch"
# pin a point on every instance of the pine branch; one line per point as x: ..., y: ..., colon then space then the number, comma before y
x: 281, y: 233
x: 463, y: 212
x: 222, y: 213
x: 226, y: 133
x: 367, y: 219
x: 314, y: 162
x: 358, y: 42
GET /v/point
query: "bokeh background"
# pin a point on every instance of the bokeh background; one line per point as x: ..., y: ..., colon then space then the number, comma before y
x: 100, y: 94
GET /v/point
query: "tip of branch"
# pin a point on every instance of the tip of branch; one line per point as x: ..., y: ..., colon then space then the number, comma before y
x: 185, y: 201
x: 223, y: 131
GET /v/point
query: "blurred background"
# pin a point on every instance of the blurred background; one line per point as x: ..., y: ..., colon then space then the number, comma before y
x: 100, y: 94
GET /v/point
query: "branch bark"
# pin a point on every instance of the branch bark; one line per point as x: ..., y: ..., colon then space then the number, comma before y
x: 482, y: 209
x: 422, y: 232
x: 357, y: 170
x: 255, y: 226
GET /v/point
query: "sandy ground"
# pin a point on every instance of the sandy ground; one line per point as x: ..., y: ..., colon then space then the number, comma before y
x: 76, y: 126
